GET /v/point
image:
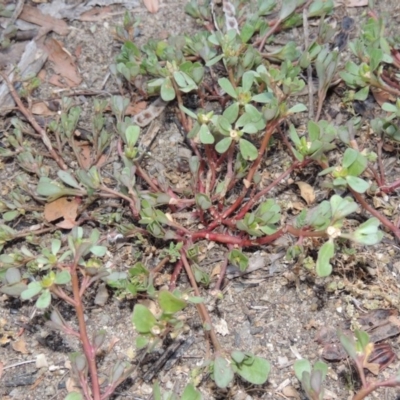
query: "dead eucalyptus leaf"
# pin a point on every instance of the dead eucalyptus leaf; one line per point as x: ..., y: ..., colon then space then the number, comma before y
x: 290, y: 391
x: 62, y: 208
x: 152, y: 5
x: 20, y: 346
x: 306, y: 192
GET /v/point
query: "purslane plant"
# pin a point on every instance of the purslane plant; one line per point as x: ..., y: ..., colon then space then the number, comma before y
x: 253, y: 97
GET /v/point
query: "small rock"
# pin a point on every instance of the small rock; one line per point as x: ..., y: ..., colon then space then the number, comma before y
x: 50, y: 391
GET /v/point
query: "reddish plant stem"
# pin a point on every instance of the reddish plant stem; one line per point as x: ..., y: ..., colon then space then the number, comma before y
x: 116, y: 194
x: 267, y: 136
x: 268, y: 34
x: 175, y: 274
x: 235, y: 240
x: 62, y: 295
x: 370, y: 387
x: 376, y: 214
x: 254, y: 199
x: 222, y: 272
x: 393, y: 186
x: 28, y: 115
x: 88, y: 349
x: 205, y: 316
x: 160, y: 265
x: 143, y: 175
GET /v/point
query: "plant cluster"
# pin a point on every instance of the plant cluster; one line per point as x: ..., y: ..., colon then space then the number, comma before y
x: 246, y: 95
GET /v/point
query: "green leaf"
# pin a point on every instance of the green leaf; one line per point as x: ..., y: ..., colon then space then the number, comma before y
x: 203, y: 201
x: 190, y: 393
x: 325, y: 253
x: 143, y: 319
x: 362, y: 94
x: 301, y: 366
x: 288, y: 8
x: 188, y: 112
x: 67, y: 178
x: 265, y: 97
x: 389, y: 107
x: 357, y: 184
x: 10, y: 215
x: 247, y: 80
x: 169, y: 303
x: 321, y: 366
x: 247, y: 150
x: 349, y: 345
x: 33, y: 289
x: 44, y: 299
x: 223, y: 374
x: 13, y: 275
x: 223, y: 145
x: 367, y: 233
x: 205, y: 135
x: 141, y: 342
x: 74, y: 396
x: 232, y: 112
x: 256, y: 371
x: 341, y: 208
x: 349, y: 156
x: 313, y: 130
x: 157, y: 391
x: 63, y: 278
x: 238, y: 356
x: 167, y: 90
x: 49, y: 189
x: 362, y: 339
x: 132, y: 135
x: 214, y: 60
x: 227, y: 87
x: 240, y: 260
x: 247, y: 31
x: 55, y: 246
x: 297, y: 108
x: 98, y: 251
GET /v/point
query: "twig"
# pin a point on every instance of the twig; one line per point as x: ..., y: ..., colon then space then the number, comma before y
x: 28, y: 115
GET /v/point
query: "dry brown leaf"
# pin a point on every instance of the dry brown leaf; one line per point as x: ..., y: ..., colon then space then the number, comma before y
x: 41, y: 109
x: 42, y: 74
x: 85, y: 154
x: 71, y: 385
x: 136, y: 108
x: 216, y: 270
x: 63, y: 63
x: 381, y: 96
x: 20, y: 346
x: 306, y: 192
x: 95, y: 14
x: 62, y: 208
x: 55, y: 81
x: 356, y: 3
x: 290, y: 391
x: 35, y: 16
x: 152, y: 5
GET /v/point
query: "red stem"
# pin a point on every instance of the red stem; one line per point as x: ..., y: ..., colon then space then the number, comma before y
x: 88, y: 349
x: 267, y: 136
x: 370, y: 387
